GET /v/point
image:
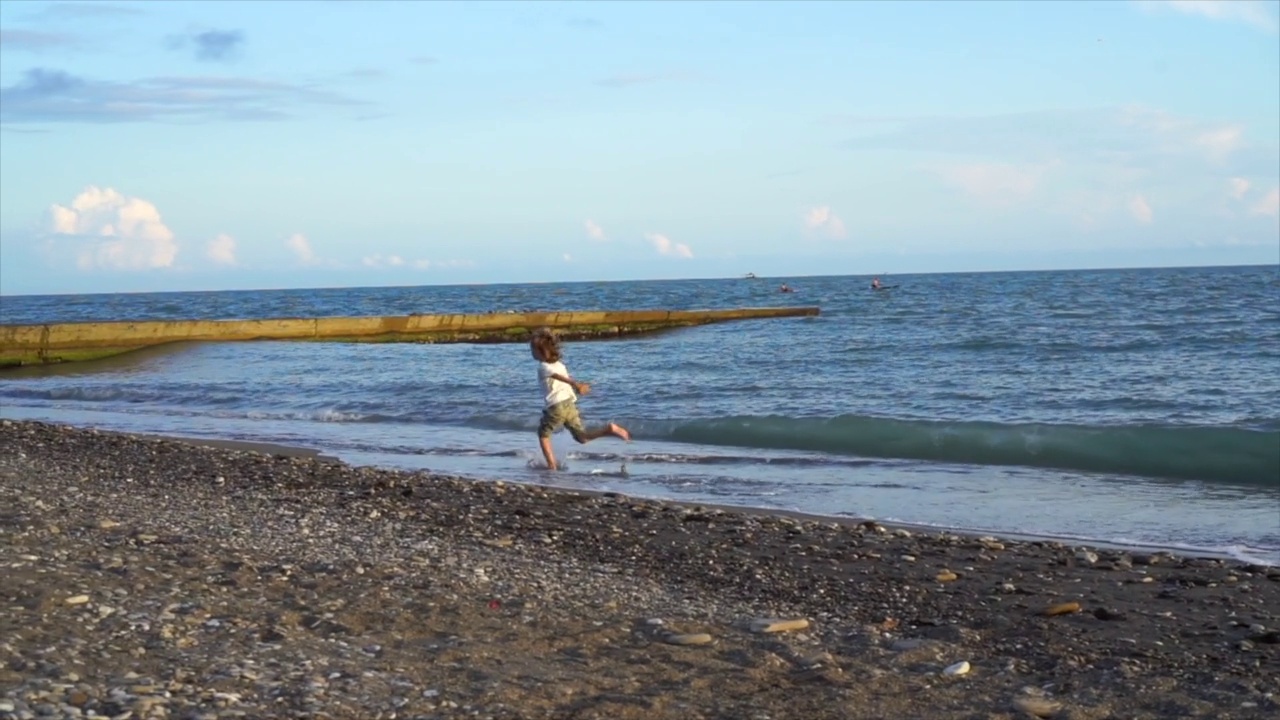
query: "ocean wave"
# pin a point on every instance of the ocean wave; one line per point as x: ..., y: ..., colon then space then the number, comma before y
x: 1211, y: 454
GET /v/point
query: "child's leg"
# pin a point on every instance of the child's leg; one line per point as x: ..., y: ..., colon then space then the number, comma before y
x: 585, y: 436
x: 548, y: 424
x: 545, y: 442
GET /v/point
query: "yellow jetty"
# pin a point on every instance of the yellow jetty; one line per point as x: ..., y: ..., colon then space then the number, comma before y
x: 70, y: 342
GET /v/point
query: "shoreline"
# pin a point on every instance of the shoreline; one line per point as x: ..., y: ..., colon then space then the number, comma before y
x: 1100, y: 544
x: 170, y: 579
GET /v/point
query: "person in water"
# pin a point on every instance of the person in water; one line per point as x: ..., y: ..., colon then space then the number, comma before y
x: 560, y: 398
x: 785, y: 288
x: 875, y: 284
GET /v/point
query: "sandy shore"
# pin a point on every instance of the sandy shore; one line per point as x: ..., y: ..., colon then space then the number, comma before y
x: 149, y: 577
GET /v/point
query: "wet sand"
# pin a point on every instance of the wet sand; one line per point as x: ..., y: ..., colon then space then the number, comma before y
x: 167, y: 578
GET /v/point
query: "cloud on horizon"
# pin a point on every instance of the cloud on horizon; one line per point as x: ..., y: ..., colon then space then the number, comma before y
x: 222, y: 250
x: 301, y: 248
x: 46, y: 95
x: 594, y: 231
x: 665, y: 246
x: 822, y: 220
x: 377, y: 260
x: 105, y: 229
x: 1269, y: 204
x: 1140, y: 209
x: 1257, y: 13
x: 210, y: 45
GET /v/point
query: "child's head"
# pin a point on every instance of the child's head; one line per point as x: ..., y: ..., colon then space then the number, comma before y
x: 544, y: 346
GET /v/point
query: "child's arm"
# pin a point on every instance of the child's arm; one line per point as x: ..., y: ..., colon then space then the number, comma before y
x: 579, y: 387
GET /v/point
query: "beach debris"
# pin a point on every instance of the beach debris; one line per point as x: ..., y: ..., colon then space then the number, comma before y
x: 817, y: 660
x: 959, y: 668
x: 1065, y: 608
x: 1270, y: 637
x: 1108, y: 614
x: 77, y: 600
x: 687, y: 639
x: 1088, y: 557
x: 990, y: 543
x: 946, y: 576
x: 1036, y: 706
x: 773, y: 625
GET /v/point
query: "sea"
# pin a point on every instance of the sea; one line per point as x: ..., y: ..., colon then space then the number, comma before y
x: 1138, y: 408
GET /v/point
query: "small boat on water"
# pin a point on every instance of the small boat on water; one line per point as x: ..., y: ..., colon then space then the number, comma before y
x: 749, y: 276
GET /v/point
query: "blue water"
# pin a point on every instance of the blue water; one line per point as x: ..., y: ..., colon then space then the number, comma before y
x: 1132, y: 406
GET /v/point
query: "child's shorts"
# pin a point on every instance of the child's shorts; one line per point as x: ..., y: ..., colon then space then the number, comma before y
x: 562, y: 414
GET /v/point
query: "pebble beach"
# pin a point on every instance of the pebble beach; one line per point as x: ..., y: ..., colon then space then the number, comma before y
x: 162, y: 578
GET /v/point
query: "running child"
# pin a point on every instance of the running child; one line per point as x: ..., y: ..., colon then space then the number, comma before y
x: 560, y: 408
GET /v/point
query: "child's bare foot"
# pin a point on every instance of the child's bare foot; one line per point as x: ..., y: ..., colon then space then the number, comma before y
x: 619, y: 431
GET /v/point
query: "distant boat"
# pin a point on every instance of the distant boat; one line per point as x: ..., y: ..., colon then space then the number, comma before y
x: 749, y: 276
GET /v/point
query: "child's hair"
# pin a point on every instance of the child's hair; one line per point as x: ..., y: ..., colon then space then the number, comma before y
x: 545, y: 345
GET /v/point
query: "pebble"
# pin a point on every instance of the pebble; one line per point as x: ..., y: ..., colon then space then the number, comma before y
x: 687, y: 639
x: 959, y: 668
x: 773, y: 625
x: 77, y: 600
x: 946, y: 576
x: 1065, y: 608
x: 1039, y: 707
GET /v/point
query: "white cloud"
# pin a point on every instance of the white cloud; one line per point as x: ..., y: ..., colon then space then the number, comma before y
x: 994, y: 182
x: 1269, y: 204
x: 568, y: 257
x: 594, y: 231
x: 821, y: 219
x: 1221, y: 142
x: 664, y: 246
x: 301, y: 247
x: 1140, y: 209
x: 1253, y: 12
x: 378, y: 260
x: 1239, y: 186
x: 422, y: 264
x: 222, y: 250
x: 116, y: 231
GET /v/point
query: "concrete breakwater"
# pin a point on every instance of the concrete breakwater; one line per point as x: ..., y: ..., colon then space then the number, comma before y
x: 70, y: 342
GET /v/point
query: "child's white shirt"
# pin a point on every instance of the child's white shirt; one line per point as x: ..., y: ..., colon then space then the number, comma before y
x: 555, y: 390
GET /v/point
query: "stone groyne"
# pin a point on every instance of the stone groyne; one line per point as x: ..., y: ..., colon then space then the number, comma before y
x: 70, y: 342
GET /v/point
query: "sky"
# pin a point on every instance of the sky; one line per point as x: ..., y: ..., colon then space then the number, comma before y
x: 234, y: 145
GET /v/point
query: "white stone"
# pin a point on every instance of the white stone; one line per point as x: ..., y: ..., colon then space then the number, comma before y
x: 959, y: 668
